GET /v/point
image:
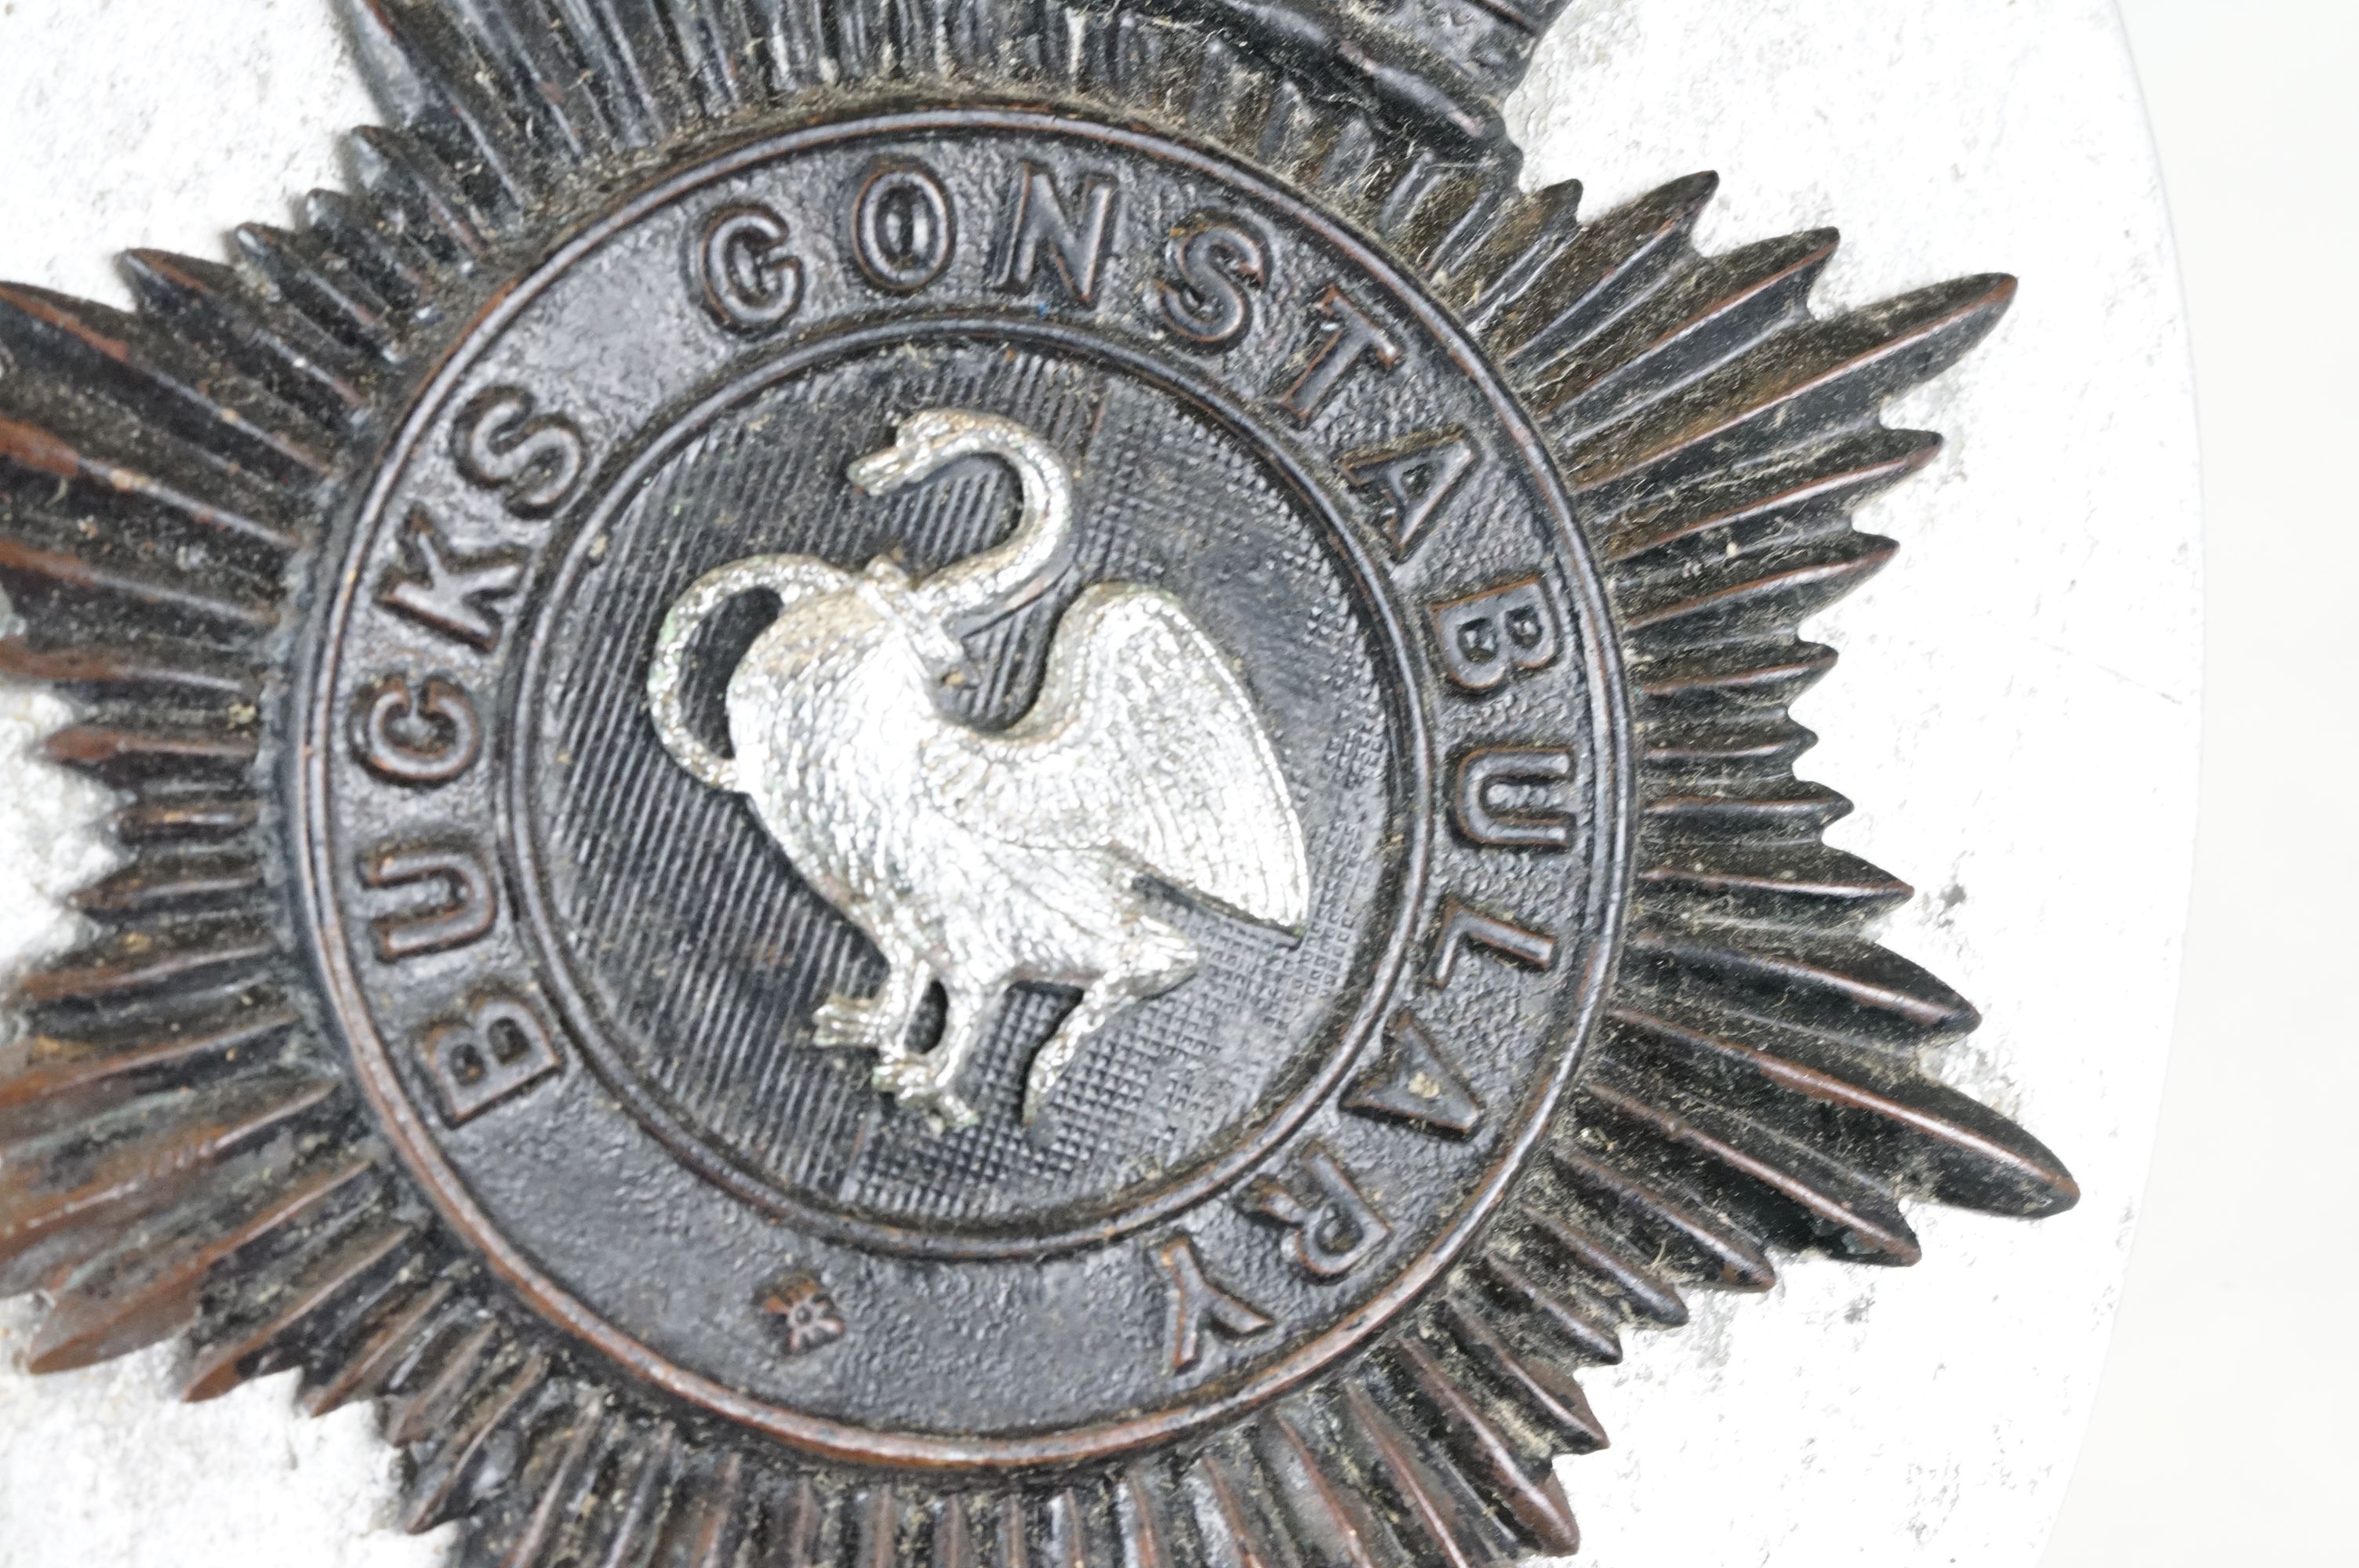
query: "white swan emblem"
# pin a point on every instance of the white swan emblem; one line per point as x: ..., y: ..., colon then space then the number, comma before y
x: 987, y: 859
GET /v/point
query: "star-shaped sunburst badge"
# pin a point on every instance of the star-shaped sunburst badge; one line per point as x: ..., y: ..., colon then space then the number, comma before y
x: 929, y: 783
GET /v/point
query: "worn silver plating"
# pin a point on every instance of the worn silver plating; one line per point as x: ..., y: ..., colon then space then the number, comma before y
x: 974, y: 861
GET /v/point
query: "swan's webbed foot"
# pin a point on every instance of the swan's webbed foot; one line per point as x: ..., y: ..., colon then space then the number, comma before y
x: 844, y: 1023
x: 923, y: 1084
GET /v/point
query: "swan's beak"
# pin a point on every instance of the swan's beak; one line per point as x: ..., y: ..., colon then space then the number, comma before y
x: 880, y: 472
x: 925, y: 441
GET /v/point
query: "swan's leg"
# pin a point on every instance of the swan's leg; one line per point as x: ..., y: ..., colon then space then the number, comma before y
x: 924, y: 1083
x: 879, y: 1023
x: 1153, y: 958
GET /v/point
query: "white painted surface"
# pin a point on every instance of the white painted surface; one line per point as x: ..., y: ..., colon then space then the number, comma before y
x: 2223, y: 1429
x: 2016, y: 715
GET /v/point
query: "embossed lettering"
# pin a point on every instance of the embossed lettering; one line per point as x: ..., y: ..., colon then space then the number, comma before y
x: 463, y: 912
x: 1199, y: 1307
x: 751, y: 281
x: 1215, y: 260
x: 1465, y: 926
x: 1415, y: 1083
x: 1042, y: 228
x: 1486, y: 637
x: 902, y: 227
x: 1411, y: 480
x: 416, y: 735
x: 448, y: 592
x: 1332, y: 1229
x: 500, y: 1050
x: 1349, y: 336
x: 1476, y: 809
x: 535, y: 460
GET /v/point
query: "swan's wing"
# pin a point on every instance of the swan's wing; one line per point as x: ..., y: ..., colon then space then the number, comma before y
x: 1143, y: 744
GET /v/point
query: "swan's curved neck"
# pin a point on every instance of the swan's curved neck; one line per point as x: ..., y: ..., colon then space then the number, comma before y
x: 1018, y: 571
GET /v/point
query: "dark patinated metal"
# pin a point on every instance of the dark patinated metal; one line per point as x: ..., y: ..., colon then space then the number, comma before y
x: 1333, y: 939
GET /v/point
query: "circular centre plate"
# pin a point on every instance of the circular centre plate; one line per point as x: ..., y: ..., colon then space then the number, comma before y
x: 1003, y: 960
x: 683, y: 939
